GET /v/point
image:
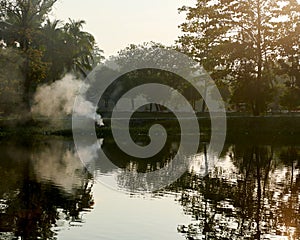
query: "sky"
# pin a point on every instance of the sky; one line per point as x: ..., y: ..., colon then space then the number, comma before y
x: 117, y: 23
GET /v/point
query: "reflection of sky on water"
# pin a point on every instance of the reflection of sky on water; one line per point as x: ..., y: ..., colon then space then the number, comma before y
x: 120, y: 216
x: 223, y: 203
x: 226, y: 169
x: 272, y: 199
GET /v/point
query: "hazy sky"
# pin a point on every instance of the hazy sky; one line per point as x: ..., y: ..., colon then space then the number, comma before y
x: 118, y: 23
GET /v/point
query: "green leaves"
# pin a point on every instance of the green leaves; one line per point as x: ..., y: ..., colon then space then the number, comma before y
x: 242, y: 38
x: 50, y: 48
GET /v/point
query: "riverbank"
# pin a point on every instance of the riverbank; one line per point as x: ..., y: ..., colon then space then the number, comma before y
x: 274, y: 126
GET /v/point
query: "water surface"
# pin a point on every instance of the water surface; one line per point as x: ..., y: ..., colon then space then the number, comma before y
x: 251, y: 192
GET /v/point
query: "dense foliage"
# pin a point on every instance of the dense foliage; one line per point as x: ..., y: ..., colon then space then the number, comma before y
x: 251, y: 46
x: 50, y: 48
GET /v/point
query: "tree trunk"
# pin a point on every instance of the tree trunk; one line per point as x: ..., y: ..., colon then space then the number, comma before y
x: 258, y: 217
x: 259, y: 61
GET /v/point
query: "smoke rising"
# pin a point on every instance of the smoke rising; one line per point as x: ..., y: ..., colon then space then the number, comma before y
x: 56, y: 100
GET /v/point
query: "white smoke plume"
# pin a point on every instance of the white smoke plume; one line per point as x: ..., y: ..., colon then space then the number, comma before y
x: 57, y: 99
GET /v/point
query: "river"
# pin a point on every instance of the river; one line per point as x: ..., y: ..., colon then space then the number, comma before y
x: 252, y: 191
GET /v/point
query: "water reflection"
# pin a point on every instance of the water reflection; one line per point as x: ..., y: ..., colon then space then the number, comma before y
x: 129, y: 180
x: 250, y: 192
x: 42, y: 188
x: 132, y: 174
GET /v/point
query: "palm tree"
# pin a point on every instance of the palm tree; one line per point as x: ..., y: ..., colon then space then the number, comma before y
x: 80, y: 45
x: 22, y: 19
x: 20, y: 25
x: 53, y: 41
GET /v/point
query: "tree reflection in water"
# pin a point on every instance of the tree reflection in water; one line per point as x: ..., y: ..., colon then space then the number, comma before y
x: 253, y: 193
x: 37, y: 197
x: 127, y: 179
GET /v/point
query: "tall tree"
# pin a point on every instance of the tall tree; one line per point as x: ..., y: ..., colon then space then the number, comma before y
x: 20, y: 27
x: 289, y: 49
x: 50, y: 49
x: 235, y: 41
x: 80, y: 45
x: 68, y: 49
x: 22, y: 20
x: 137, y: 56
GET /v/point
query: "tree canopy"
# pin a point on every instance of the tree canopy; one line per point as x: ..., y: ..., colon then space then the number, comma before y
x: 245, y: 44
x: 50, y: 48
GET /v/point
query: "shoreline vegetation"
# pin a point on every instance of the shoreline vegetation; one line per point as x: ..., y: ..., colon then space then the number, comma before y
x: 271, y: 127
x: 252, y: 58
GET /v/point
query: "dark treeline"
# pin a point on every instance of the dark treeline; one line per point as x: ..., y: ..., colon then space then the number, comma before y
x: 46, y: 49
x: 250, y: 48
